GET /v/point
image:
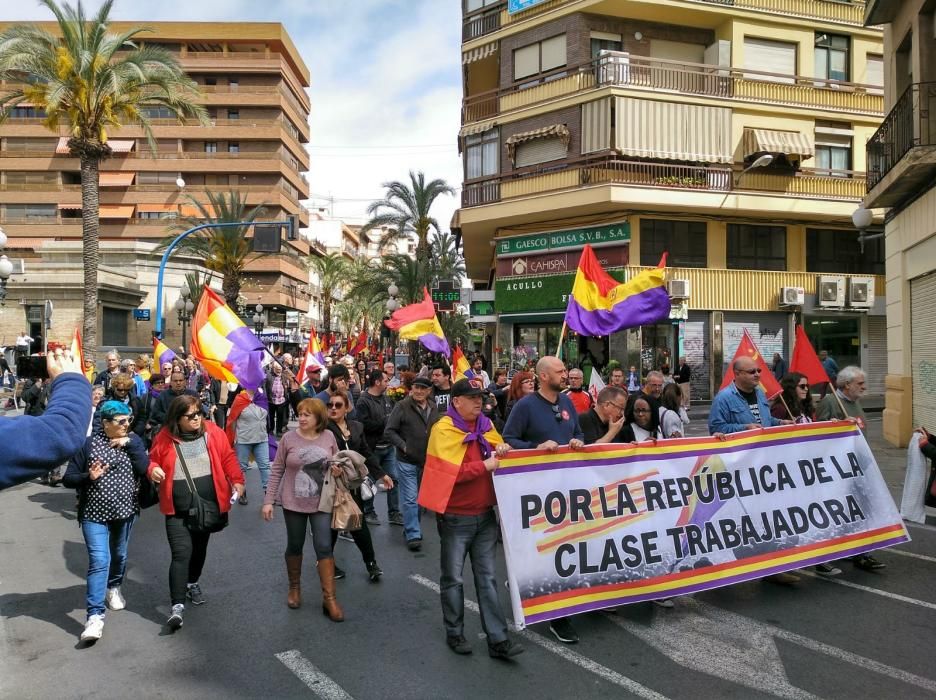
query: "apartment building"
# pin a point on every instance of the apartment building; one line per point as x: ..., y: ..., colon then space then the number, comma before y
x: 728, y: 134
x: 901, y: 158
x: 253, y: 83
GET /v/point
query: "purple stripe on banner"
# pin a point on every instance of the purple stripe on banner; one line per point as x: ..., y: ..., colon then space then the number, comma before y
x: 646, y: 457
x: 434, y: 343
x: 644, y: 308
x: 708, y: 585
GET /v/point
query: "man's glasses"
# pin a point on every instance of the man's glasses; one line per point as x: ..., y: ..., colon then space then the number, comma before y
x: 641, y: 410
x: 620, y: 408
x: 192, y: 416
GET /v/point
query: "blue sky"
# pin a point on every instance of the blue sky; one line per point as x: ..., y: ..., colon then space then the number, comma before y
x: 386, y: 84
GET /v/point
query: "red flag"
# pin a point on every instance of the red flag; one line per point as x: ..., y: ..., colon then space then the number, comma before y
x: 747, y: 347
x: 356, y: 346
x: 805, y: 361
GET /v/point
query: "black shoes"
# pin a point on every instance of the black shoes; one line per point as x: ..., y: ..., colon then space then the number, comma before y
x: 459, y: 645
x: 868, y: 563
x: 563, y: 630
x: 374, y: 571
x: 414, y: 545
x: 505, y: 649
x: 339, y: 572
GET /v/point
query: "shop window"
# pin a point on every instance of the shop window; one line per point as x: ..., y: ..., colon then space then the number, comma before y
x: 481, y: 154
x: 115, y: 325
x: 832, y: 56
x: 837, y: 251
x: 753, y: 247
x: 684, y: 241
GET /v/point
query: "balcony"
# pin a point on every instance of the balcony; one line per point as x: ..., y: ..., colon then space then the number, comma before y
x: 902, y: 153
x: 479, y: 24
x: 617, y: 69
x: 612, y: 170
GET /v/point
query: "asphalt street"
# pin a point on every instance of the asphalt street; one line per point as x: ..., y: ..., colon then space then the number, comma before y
x: 860, y: 635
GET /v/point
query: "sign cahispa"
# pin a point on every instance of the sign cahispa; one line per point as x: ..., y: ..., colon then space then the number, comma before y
x: 606, y: 234
x: 545, y: 293
x: 559, y: 262
x: 521, y: 5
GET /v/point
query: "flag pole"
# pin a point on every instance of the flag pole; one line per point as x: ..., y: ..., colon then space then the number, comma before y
x: 561, y: 338
x: 783, y: 401
x: 837, y: 398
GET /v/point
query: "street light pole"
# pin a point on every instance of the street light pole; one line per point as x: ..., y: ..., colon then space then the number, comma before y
x: 184, y: 308
x: 6, y: 268
x: 392, y: 305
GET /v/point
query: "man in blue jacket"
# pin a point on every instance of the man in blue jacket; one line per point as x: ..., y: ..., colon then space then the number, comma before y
x: 34, y: 445
x: 741, y: 405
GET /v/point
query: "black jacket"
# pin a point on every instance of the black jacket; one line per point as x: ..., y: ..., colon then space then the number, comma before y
x: 408, y: 430
x: 357, y: 443
x: 77, y: 477
x: 372, y: 412
x: 161, y: 406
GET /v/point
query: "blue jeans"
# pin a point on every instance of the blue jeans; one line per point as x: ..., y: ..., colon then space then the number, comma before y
x: 107, y: 558
x: 261, y: 455
x: 409, y: 490
x: 476, y: 535
x: 388, y: 462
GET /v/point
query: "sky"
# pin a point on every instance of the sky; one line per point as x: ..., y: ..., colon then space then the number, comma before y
x: 385, y: 86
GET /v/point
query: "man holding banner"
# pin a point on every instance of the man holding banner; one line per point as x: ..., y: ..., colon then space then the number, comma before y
x: 742, y: 405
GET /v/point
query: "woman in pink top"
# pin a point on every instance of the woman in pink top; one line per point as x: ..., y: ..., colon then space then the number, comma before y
x: 303, y: 481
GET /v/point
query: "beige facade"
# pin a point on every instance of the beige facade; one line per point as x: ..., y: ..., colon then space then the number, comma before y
x: 655, y: 117
x: 253, y: 83
x: 903, y: 158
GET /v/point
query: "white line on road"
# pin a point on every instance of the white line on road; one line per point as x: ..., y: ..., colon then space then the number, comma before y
x: 868, y: 589
x: 319, y: 683
x: 564, y: 652
x: 919, y: 526
x: 905, y: 553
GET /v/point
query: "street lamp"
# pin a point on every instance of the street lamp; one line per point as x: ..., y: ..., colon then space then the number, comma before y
x: 862, y: 219
x: 762, y: 161
x: 392, y: 305
x: 184, y: 308
x: 6, y: 268
x: 259, y: 319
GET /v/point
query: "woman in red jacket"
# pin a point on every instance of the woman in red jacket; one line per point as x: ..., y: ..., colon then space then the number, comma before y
x: 203, y: 448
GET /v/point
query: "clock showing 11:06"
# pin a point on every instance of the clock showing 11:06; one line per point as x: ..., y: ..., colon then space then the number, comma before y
x: 445, y: 295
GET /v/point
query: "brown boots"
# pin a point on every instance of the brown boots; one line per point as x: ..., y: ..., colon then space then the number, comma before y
x: 330, y: 607
x: 294, y: 571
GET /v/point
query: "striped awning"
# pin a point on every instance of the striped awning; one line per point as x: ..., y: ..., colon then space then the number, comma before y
x: 70, y: 206
x: 477, y: 128
x: 121, y: 145
x: 111, y: 179
x: 478, y: 53
x: 789, y: 143
x: 664, y: 130
x: 61, y: 148
x: 558, y: 130
x: 116, y: 211
x: 193, y: 212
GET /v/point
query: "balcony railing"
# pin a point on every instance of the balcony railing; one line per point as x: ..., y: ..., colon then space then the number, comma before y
x: 839, y: 11
x: 910, y: 124
x: 572, y: 174
x: 617, y: 69
x: 483, y: 23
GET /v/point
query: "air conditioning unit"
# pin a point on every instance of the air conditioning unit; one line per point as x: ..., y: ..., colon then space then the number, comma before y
x: 678, y: 289
x: 792, y: 296
x: 19, y: 266
x: 861, y: 292
x: 831, y: 291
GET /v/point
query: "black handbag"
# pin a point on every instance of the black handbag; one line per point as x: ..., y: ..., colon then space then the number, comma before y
x: 203, y: 516
x: 147, y: 493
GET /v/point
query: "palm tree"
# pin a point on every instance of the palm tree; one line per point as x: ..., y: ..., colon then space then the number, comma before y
x: 447, y: 262
x: 332, y: 273
x: 224, y: 250
x: 405, y: 209
x: 91, y: 81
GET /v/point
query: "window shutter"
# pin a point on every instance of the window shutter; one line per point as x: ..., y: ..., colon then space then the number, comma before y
x: 554, y: 52
x: 874, y: 73
x: 526, y: 61
x: 539, y: 151
x: 770, y: 56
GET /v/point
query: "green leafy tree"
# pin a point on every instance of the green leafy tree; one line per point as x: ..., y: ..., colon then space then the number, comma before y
x: 405, y: 208
x: 447, y: 262
x: 91, y: 81
x: 225, y: 251
x: 332, y: 273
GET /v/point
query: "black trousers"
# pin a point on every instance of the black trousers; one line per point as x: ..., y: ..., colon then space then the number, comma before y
x: 278, y: 418
x: 189, y: 550
x: 296, y: 525
x: 362, y: 537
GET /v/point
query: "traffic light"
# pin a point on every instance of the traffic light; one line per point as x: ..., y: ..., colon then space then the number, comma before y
x: 267, y: 238
x: 292, y: 232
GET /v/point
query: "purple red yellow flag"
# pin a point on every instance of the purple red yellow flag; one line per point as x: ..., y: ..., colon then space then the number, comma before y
x: 226, y: 348
x: 460, y: 367
x: 600, y: 305
x: 313, y: 358
x: 162, y: 354
x: 419, y: 322
x: 77, y: 351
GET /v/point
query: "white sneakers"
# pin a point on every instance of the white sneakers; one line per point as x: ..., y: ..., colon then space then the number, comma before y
x: 93, y: 629
x: 175, y: 618
x: 114, y: 600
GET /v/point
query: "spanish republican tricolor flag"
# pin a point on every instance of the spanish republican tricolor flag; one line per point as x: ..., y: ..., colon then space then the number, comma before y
x: 77, y: 351
x: 600, y: 305
x: 226, y: 348
x: 161, y: 355
x: 460, y: 367
x: 419, y: 322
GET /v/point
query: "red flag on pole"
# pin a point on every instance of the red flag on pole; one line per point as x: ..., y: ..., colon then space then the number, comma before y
x: 805, y: 361
x: 747, y: 347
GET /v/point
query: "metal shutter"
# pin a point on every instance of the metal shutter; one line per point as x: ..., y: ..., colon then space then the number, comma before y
x: 875, y: 365
x: 923, y: 350
x: 539, y: 151
x: 770, y: 56
x: 768, y: 329
x: 698, y: 351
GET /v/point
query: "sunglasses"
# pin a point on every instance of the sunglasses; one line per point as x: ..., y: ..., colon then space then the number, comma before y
x: 641, y: 410
x: 121, y: 421
x: 335, y: 405
x: 192, y: 416
x: 802, y: 386
x: 558, y: 416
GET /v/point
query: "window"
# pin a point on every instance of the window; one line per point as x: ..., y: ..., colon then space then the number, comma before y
x: 540, y: 57
x: 157, y: 178
x: 602, y: 41
x: 30, y: 211
x: 540, y: 150
x: 27, y: 113
x: 29, y: 144
x: 209, y: 80
x: 772, y: 57
x: 115, y: 327
x: 233, y: 114
x: 211, y: 146
x: 481, y: 154
x: 832, y: 56
x: 685, y: 241
x: 157, y: 215
x: 874, y: 73
x: 156, y: 112
x: 753, y: 247
x: 837, y: 251
x: 475, y: 5
x: 233, y: 84
x: 233, y: 146
x: 834, y: 148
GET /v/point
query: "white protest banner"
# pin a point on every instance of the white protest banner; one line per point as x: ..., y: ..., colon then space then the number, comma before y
x: 615, y: 524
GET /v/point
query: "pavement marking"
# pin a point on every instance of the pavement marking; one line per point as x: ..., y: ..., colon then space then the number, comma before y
x: 319, y: 683
x: 725, y: 618
x: 905, y: 553
x: 920, y: 526
x: 868, y: 589
x: 563, y: 652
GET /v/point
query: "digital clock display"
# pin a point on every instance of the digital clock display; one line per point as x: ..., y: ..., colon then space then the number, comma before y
x: 446, y: 296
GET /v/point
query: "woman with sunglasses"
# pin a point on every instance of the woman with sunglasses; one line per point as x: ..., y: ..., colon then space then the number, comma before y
x: 303, y: 481
x: 106, y: 473
x: 187, y: 442
x: 349, y: 435
x: 797, y: 403
x: 643, y: 418
x: 121, y: 389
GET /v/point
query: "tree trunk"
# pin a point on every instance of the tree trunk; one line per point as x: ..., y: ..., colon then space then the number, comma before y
x: 230, y: 287
x: 90, y: 229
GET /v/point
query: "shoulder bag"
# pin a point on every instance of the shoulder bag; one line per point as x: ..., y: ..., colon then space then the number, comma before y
x: 203, y: 516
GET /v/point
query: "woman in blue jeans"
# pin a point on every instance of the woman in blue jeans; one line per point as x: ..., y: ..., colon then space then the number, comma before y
x: 247, y: 429
x: 106, y: 472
